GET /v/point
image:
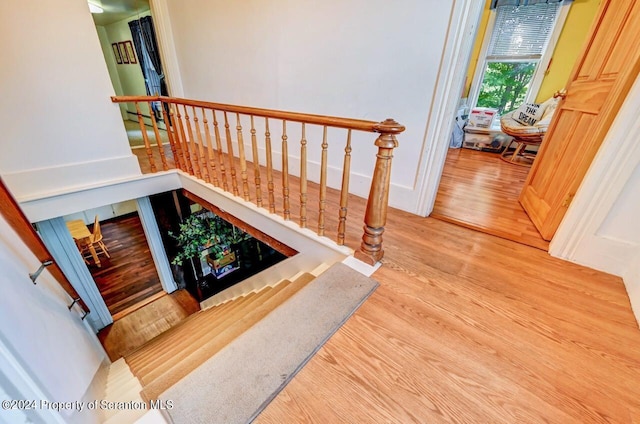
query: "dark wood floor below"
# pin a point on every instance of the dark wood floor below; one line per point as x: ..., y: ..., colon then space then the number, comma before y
x: 128, y: 280
x: 480, y: 191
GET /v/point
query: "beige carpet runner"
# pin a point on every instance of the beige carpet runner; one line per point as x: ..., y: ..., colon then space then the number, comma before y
x: 241, y: 379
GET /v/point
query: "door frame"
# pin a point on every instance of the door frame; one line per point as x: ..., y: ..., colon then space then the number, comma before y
x: 576, y: 238
x: 599, y: 189
x: 591, y: 202
x: 168, y: 55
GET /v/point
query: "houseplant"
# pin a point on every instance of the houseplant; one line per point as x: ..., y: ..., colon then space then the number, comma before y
x: 202, y: 231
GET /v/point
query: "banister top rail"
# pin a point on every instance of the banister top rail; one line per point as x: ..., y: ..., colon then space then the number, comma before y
x: 331, y: 121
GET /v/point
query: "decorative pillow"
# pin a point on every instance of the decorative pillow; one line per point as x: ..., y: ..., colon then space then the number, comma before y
x: 528, y: 114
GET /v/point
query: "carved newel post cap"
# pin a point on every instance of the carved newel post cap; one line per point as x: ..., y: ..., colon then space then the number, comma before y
x: 390, y: 126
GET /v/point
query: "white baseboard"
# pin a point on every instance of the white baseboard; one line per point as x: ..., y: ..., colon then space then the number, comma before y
x: 604, y: 254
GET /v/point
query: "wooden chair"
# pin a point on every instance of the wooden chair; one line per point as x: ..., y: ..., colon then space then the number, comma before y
x: 95, y: 240
x: 525, y: 135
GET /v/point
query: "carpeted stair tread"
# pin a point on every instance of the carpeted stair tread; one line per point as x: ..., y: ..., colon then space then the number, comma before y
x: 161, y: 378
x: 158, y: 343
x: 236, y: 384
x: 233, y: 320
x: 193, y: 322
x: 198, y: 333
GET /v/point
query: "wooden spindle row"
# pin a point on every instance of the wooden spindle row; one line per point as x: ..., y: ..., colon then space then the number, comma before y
x: 197, y: 149
x: 205, y: 161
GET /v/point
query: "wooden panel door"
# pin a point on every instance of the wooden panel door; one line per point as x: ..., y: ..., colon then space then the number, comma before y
x: 599, y: 83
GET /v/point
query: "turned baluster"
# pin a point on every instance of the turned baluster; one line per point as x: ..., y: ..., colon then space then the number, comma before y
x: 303, y: 179
x: 145, y: 138
x: 376, y: 214
x: 286, y: 213
x: 183, y: 142
x: 323, y: 183
x: 169, y: 122
x: 344, y: 191
x: 223, y: 170
x: 243, y: 161
x: 232, y: 166
x: 211, y: 164
x: 202, y: 161
x: 270, y: 186
x: 163, y: 158
x: 256, y: 164
x: 193, y: 147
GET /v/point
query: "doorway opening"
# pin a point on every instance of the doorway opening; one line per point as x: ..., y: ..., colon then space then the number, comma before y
x: 477, y: 189
x: 129, y: 46
x: 120, y: 260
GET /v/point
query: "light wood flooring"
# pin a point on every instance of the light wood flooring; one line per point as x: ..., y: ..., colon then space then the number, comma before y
x: 467, y: 327
x: 129, y: 333
x: 480, y: 191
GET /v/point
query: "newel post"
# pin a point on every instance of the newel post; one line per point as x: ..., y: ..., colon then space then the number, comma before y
x: 375, y: 216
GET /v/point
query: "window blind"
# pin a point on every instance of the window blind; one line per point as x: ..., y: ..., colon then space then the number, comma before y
x: 522, y: 32
x: 496, y: 3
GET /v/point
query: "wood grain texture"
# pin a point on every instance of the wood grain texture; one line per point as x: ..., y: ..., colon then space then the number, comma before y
x: 168, y: 358
x: 128, y: 280
x: 479, y: 191
x: 129, y: 333
x: 467, y: 327
x: 603, y: 75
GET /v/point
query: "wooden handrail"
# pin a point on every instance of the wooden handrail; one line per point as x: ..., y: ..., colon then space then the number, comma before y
x: 11, y: 211
x: 194, y: 161
x: 330, y: 121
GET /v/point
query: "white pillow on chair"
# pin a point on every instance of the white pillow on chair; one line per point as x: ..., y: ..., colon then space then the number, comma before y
x: 529, y: 113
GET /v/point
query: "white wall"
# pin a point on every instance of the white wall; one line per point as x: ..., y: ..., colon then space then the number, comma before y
x: 110, y: 60
x: 632, y: 282
x: 50, y: 342
x: 59, y: 127
x: 129, y: 74
x: 622, y: 222
x: 601, y: 228
x: 359, y: 59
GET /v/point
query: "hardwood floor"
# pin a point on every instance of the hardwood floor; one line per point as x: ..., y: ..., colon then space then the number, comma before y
x: 480, y: 191
x: 129, y: 333
x: 128, y: 280
x: 467, y: 327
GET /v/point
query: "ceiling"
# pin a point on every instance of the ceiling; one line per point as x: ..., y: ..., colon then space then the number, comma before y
x: 117, y: 10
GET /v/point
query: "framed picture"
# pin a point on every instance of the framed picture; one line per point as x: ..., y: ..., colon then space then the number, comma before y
x: 123, y: 52
x: 116, y: 53
x: 131, y: 54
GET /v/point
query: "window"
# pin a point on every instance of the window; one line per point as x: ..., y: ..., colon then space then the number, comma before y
x: 508, y: 72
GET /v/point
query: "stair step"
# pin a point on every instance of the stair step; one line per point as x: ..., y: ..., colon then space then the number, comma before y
x: 208, y: 329
x: 121, y: 386
x: 157, y: 344
x: 161, y: 378
x: 200, y: 330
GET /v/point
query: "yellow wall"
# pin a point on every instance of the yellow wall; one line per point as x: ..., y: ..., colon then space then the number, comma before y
x: 569, y: 46
x: 566, y: 53
x: 473, y: 61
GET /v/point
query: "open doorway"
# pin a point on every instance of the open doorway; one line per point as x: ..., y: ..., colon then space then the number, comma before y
x: 129, y: 45
x: 120, y: 260
x: 478, y: 189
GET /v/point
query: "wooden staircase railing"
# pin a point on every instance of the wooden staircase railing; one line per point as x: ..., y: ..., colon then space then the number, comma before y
x: 196, y: 145
x: 11, y: 211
